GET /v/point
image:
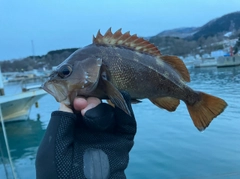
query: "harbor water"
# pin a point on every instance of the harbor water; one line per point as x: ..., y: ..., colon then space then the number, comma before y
x: 167, y: 145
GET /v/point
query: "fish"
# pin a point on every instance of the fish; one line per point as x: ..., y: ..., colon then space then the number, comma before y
x: 117, y: 62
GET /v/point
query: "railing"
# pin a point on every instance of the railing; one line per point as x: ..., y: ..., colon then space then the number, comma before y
x: 33, y: 83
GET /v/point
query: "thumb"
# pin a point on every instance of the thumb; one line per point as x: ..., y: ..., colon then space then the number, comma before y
x: 83, y: 105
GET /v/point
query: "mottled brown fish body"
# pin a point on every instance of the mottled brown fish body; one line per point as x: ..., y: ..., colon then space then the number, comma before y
x: 121, y: 62
x: 128, y: 72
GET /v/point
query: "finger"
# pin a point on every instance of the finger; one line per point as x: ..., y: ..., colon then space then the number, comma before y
x: 79, y: 103
x: 91, y: 103
x: 64, y: 108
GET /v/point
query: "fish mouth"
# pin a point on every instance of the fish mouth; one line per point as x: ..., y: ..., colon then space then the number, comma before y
x: 57, y: 91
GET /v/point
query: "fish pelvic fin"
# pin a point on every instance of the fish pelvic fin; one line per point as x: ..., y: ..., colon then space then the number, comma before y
x: 126, y: 40
x: 168, y: 103
x: 178, y: 65
x: 203, y: 111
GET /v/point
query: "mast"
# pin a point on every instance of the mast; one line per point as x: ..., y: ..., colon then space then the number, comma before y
x: 33, y: 50
x: 1, y: 84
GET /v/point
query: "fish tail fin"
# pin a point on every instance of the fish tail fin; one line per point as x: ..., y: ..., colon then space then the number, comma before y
x: 203, y: 111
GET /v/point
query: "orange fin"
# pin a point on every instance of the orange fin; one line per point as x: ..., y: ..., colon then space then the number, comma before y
x: 203, y: 112
x: 167, y: 103
x: 178, y: 65
x: 126, y: 40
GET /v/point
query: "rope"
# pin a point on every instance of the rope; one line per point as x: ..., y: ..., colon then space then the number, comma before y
x: 6, y: 142
x: 3, y: 161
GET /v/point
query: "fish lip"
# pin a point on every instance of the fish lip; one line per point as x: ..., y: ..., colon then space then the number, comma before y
x: 44, y: 87
x: 57, y: 91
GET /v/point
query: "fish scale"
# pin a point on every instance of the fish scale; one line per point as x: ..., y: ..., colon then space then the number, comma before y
x: 117, y: 62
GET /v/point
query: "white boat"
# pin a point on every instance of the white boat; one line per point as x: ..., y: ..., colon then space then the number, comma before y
x: 205, y: 62
x: 17, y: 106
x: 228, y: 61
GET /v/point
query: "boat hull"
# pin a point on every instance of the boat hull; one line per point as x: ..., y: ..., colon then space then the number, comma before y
x: 208, y: 62
x: 228, y: 61
x: 18, y: 106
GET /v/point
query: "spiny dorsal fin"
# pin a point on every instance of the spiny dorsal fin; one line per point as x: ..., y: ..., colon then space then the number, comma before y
x: 126, y: 40
x: 178, y: 65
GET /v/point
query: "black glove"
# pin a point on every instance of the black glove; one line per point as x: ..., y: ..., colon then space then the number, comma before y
x: 107, y: 134
x: 95, y: 146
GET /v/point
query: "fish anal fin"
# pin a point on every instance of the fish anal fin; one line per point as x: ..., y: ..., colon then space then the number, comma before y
x: 203, y: 111
x: 178, y: 65
x: 168, y: 103
x: 126, y: 40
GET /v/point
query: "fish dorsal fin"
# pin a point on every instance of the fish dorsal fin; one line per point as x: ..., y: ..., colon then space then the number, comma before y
x: 178, y: 65
x: 126, y: 40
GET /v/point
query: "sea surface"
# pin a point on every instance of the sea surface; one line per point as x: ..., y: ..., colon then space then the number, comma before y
x: 167, y: 145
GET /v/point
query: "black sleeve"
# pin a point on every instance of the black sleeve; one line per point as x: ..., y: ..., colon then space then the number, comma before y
x: 58, y: 141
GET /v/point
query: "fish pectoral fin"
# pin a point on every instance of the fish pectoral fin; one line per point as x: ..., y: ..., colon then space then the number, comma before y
x: 115, y: 96
x: 168, y: 103
x: 178, y: 65
x: 203, y: 111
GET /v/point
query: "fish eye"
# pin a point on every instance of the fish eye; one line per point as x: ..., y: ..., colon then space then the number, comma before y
x: 65, y: 71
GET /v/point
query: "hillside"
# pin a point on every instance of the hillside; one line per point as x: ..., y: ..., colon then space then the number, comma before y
x: 52, y: 58
x: 226, y: 23
x: 179, y: 32
x: 198, y: 40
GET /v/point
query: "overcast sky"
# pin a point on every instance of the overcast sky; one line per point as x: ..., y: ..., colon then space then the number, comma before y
x: 58, y: 24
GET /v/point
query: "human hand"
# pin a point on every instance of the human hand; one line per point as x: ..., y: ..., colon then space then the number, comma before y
x: 105, y: 136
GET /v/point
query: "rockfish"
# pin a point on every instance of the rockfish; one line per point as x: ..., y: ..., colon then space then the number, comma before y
x: 123, y: 62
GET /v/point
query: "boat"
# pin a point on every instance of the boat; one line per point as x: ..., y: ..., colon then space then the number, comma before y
x: 205, y: 62
x: 228, y: 61
x: 219, y: 62
x: 17, y: 106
